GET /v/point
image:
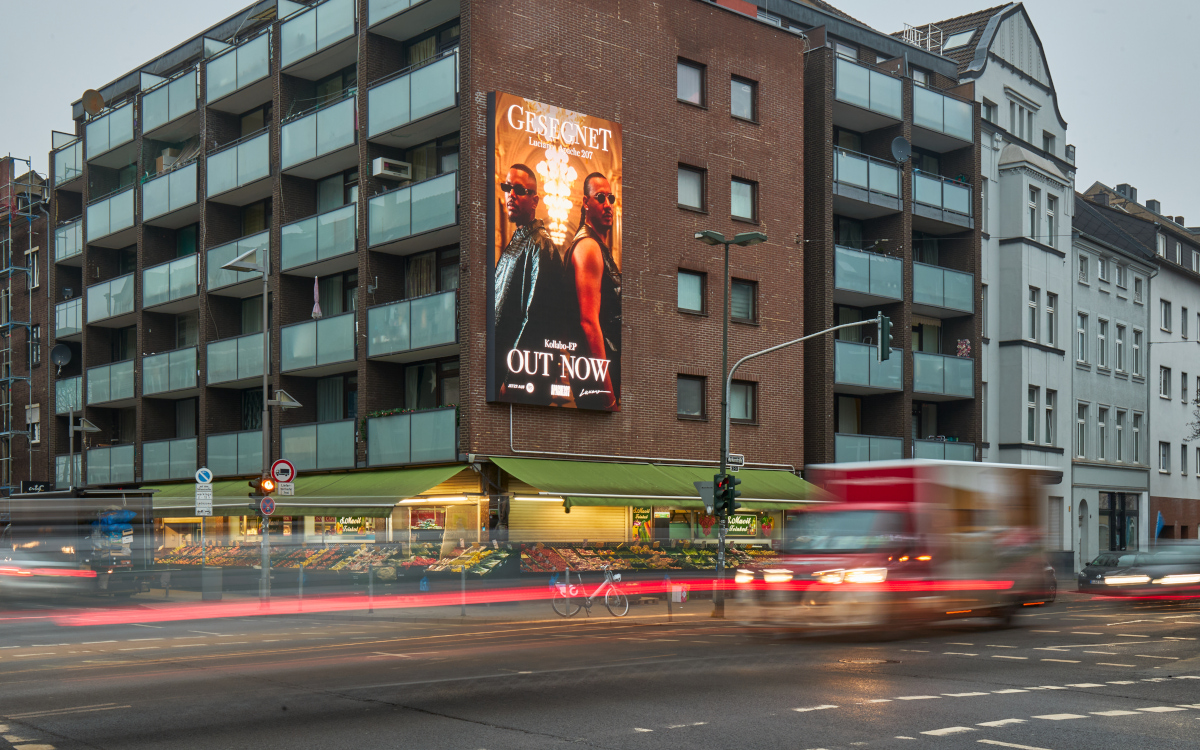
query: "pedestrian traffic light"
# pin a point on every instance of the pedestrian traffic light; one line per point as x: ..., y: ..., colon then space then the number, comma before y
x: 884, y: 346
x: 725, y: 495
x: 261, y: 487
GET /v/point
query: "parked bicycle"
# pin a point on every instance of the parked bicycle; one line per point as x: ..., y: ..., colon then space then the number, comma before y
x: 569, y: 598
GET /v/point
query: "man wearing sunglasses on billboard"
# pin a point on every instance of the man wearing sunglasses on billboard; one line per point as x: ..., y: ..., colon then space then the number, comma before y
x: 523, y: 273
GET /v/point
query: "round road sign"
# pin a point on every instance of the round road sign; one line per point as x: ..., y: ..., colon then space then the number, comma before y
x: 267, y: 506
x: 203, y: 476
x: 283, y: 471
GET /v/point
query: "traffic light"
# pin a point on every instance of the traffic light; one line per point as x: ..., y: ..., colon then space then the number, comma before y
x: 262, y: 487
x: 725, y: 495
x: 884, y: 346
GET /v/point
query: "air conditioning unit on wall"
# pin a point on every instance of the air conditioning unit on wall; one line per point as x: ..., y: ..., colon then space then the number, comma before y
x: 391, y: 169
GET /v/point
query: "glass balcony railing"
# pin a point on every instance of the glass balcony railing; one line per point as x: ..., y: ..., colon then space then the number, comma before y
x: 169, y: 459
x: 414, y: 94
x: 110, y: 299
x: 941, y: 192
x: 942, y: 287
x: 378, y: 10
x: 235, y: 359
x: 412, y: 324
x: 321, y: 445
x: 870, y: 89
x: 62, y: 470
x: 308, y: 32
x: 238, y: 67
x: 168, y: 282
x: 850, y: 447
x: 169, y: 371
x: 107, y: 132
x: 943, y: 375
x: 110, y: 465
x: 934, y: 110
x: 68, y: 240
x: 68, y: 395
x: 110, y: 382
x: 318, y: 133
x: 867, y: 273
x: 318, y: 342
x: 944, y: 450
x: 170, y: 192
x: 218, y: 256
x: 416, y: 437
x: 109, y: 215
x: 68, y: 163
x: 235, y: 453
x: 855, y: 364
x: 169, y: 101
x: 411, y: 210
x: 68, y: 318
x: 866, y: 172
x: 240, y: 164
x: 319, y: 237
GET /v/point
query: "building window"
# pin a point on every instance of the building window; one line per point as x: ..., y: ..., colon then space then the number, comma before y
x: 1137, y: 353
x: 1102, y: 343
x: 1081, y: 430
x: 1183, y: 322
x: 1031, y: 409
x: 742, y: 302
x: 691, y: 187
x: 689, y: 396
x: 1195, y: 261
x: 1081, y: 338
x: 989, y: 110
x: 1083, y: 269
x: 1051, y: 324
x: 920, y: 77
x: 1101, y: 433
x: 1120, y: 348
x: 1120, y: 436
x: 1161, y: 247
x: 1164, y: 457
x: 1102, y: 268
x: 742, y: 401
x: 1137, y: 290
x: 983, y: 404
x: 1033, y: 213
x: 1183, y: 387
x: 35, y: 345
x: 847, y: 51
x: 1137, y: 438
x: 743, y: 97
x: 689, y: 82
x: 689, y: 294
x: 1049, y: 433
x: 1047, y: 142
x: 31, y: 262
x: 1122, y: 276
x: 1164, y: 382
x: 742, y: 199
x: 1164, y: 315
x: 33, y: 422
x: 1033, y: 313
x: 1177, y: 257
x: 1183, y: 460
x: 984, y: 310
x: 983, y: 199
x: 1051, y: 223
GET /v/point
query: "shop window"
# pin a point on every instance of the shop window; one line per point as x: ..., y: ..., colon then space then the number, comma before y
x: 689, y: 396
x: 743, y: 401
x: 689, y: 291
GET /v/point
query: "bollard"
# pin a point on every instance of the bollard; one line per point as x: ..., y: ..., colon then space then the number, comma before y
x: 370, y: 588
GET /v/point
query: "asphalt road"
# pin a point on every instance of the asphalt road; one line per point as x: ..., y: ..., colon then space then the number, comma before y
x: 1082, y: 673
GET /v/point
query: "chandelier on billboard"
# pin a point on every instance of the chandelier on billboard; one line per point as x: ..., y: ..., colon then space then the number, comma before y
x: 557, y: 179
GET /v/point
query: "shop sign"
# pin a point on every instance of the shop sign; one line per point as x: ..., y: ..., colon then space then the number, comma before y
x: 642, y: 524
x: 743, y: 525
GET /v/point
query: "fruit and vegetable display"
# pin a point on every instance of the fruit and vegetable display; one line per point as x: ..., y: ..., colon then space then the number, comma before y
x: 393, y: 558
x: 543, y: 558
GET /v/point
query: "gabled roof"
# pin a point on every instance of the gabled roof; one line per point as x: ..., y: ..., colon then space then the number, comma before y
x: 825, y: 7
x: 1098, y: 222
x: 971, y: 21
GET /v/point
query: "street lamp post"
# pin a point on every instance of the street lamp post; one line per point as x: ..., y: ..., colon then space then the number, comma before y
x: 85, y: 427
x: 744, y: 239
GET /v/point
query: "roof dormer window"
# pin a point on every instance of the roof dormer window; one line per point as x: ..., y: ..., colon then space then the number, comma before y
x: 958, y: 40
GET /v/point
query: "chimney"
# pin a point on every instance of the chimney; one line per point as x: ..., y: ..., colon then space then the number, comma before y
x: 1127, y: 191
x: 1101, y: 199
x: 1154, y: 206
x: 1179, y: 221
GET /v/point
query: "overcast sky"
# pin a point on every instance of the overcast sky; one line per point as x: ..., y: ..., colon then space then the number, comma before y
x: 1125, y: 73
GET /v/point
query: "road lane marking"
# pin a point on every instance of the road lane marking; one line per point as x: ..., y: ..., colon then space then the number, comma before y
x: 1132, y: 635
x: 1045, y: 631
x: 948, y: 730
x: 1122, y: 682
x: 639, y: 729
x: 957, y: 653
x: 962, y: 695
x: 139, y: 648
x: 1161, y: 709
x: 43, y: 653
x: 880, y: 700
x: 1010, y: 690
x: 1085, y: 685
x: 1189, y: 705
x: 917, y: 697
x: 1148, y: 656
x: 994, y: 645
x: 135, y: 640
x: 1064, y: 661
x: 139, y: 625
x: 814, y: 708
x: 1110, y: 664
x: 1011, y: 744
x: 999, y: 656
x: 1001, y: 722
x: 954, y: 643
x: 1060, y: 717
x: 190, y: 645
x: 1084, y: 632
x: 1115, y: 713
x: 1103, y: 653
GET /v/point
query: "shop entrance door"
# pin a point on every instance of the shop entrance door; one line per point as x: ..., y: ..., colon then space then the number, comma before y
x: 1119, y: 521
x: 1085, y: 554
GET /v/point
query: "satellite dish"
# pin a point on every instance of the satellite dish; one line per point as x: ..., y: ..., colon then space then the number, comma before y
x: 60, y: 354
x: 901, y: 149
x: 93, y: 102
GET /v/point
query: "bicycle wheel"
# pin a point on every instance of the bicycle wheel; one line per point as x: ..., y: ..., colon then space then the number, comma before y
x: 564, y: 605
x: 617, y: 603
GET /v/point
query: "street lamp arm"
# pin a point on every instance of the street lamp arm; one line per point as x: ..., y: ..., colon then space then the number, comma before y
x: 777, y: 347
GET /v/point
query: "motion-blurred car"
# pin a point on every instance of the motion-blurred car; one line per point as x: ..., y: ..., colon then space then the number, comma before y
x: 1169, y: 571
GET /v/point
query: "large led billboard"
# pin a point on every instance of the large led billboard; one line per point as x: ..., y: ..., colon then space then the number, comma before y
x: 554, y: 281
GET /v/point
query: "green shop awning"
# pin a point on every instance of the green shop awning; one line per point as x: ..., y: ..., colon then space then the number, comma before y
x: 643, y: 485
x: 360, y: 493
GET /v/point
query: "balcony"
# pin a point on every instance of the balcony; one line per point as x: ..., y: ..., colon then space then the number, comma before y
x: 321, y: 142
x: 172, y: 373
x: 68, y: 243
x: 940, y: 377
x: 321, y: 244
x: 940, y: 122
x: 111, y: 304
x: 419, y: 437
x: 169, y: 109
x: 862, y: 278
x: 320, y: 445
x: 237, y: 283
x: 110, y: 220
x: 942, y: 293
x: 419, y: 328
x: 865, y: 187
x: 944, y: 450
x: 849, y: 447
x: 62, y: 471
x: 169, y: 200
x: 940, y: 205
x: 68, y: 320
x: 403, y: 19
x: 68, y: 395
x: 172, y: 287
x: 415, y: 105
x: 236, y: 362
x: 319, y: 40
x: 111, y: 385
x: 415, y: 218
x: 319, y: 347
x: 68, y: 167
x: 169, y: 459
x: 109, y: 138
x: 855, y: 369
x: 113, y: 465
x: 240, y: 173
x: 232, y: 454
x: 238, y: 79
x: 865, y: 99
